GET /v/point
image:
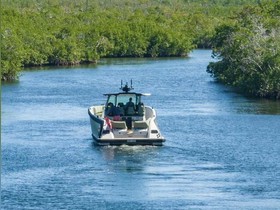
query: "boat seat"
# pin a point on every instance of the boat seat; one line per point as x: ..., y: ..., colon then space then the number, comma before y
x: 118, y: 125
x: 140, y: 125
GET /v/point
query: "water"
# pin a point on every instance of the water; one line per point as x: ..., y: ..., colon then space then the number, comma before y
x: 222, y: 149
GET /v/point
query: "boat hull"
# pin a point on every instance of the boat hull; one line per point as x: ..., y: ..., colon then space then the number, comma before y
x: 141, y: 136
x: 96, y: 125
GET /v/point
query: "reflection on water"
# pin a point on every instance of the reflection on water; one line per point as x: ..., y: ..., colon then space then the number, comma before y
x: 260, y: 106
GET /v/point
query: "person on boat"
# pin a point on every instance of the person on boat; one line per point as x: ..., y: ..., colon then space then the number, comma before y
x: 140, y: 109
x: 109, y: 109
x: 129, y: 103
x: 112, y: 110
x: 116, y: 112
x: 129, y: 107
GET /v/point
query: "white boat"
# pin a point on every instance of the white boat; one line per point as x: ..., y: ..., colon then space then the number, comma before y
x: 124, y: 119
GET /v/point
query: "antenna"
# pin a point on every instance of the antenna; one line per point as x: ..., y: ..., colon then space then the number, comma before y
x: 126, y: 88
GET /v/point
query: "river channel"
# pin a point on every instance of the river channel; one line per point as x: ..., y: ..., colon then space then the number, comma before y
x: 221, y: 149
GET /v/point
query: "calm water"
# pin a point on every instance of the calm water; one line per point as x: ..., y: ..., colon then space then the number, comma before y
x: 222, y: 149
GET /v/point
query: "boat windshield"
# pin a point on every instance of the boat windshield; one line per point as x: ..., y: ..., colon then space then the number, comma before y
x: 122, y: 99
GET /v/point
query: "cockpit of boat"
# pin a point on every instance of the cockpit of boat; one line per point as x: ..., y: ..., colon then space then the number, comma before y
x: 124, y: 104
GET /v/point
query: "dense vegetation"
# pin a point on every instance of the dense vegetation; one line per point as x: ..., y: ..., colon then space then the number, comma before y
x: 244, y: 34
x: 65, y: 32
x: 249, y: 51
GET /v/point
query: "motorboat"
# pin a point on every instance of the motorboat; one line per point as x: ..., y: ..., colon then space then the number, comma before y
x: 125, y: 119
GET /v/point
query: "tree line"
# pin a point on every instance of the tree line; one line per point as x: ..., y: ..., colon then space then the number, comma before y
x: 65, y: 32
x: 249, y: 51
x: 244, y: 35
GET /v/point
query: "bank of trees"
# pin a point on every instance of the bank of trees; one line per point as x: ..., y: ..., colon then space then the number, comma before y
x: 244, y: 34
x: 65, y: 32
x: 249, y: 51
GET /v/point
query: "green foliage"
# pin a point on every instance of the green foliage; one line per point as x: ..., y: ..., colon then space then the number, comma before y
x: 66, y: 32
x: 249, y: 51
x: 12, y: 47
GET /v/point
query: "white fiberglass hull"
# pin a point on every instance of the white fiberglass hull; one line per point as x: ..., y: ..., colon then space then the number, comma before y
x: 127, y: 130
